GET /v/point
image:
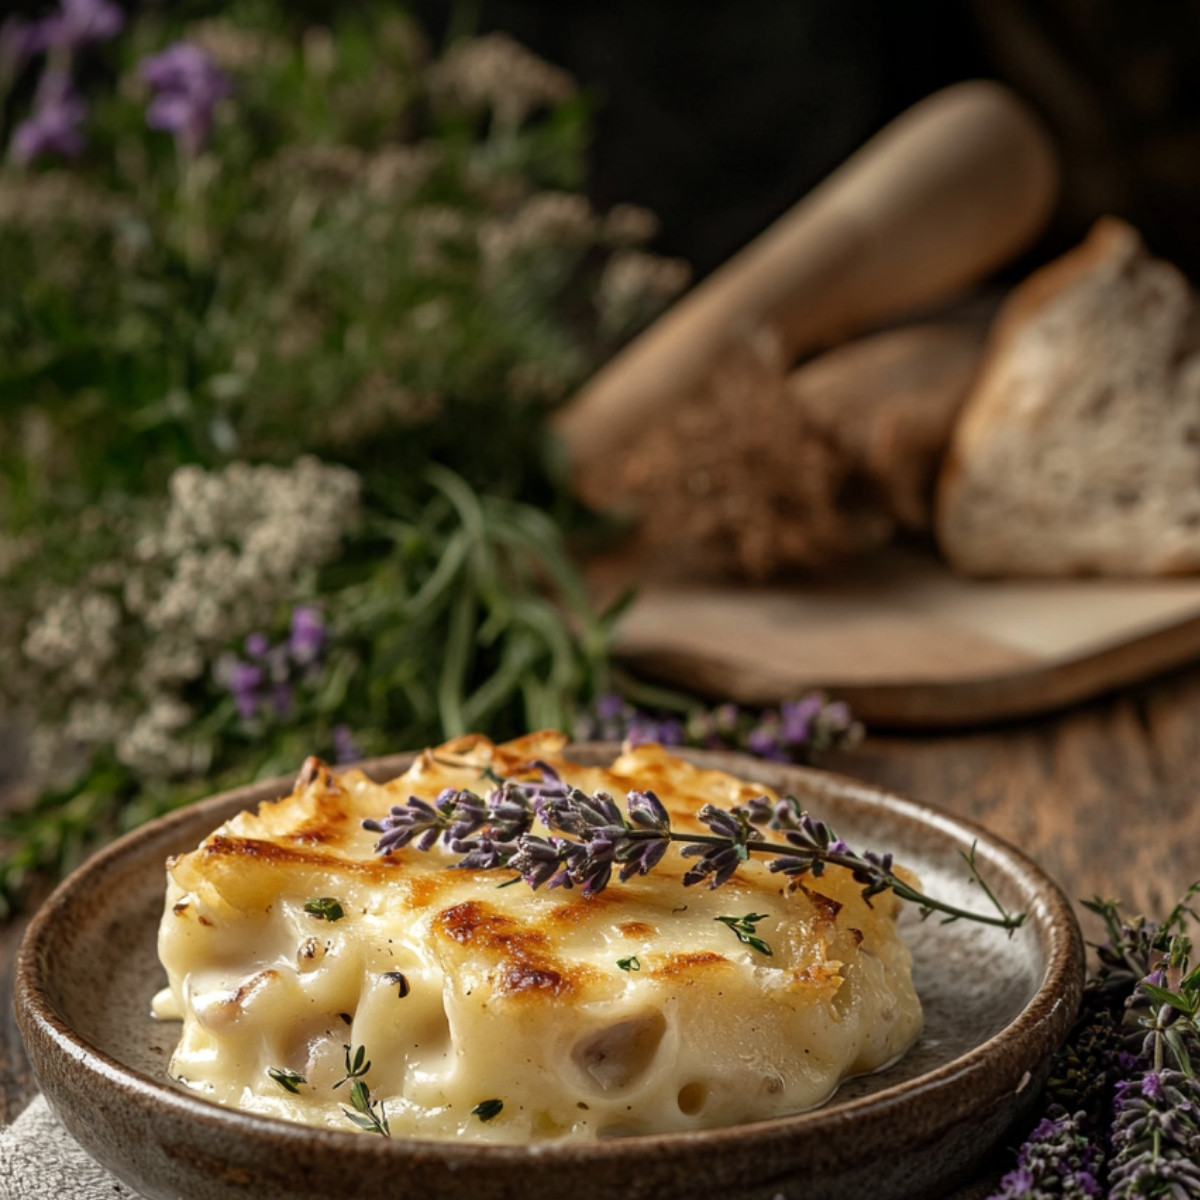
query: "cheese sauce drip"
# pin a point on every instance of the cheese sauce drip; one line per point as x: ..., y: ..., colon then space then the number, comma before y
x: 633, y: 1011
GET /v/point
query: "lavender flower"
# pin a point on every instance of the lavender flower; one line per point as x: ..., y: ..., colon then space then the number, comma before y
x: 666, y: 731
x: 345, y: 748
x: 1058, y: 1159
x: 308, y: 635
x: 54, y: 126
x: 797, y: 717
x: 269, y: 680
x: 717, y: 864
x: 764, y: 741
x: 405, y: 822
x: 20, y: 40
x: 187, y: 86
x: 257, y: 645
x: 75, y: 24
x: 797, y: 731
x: 601, y: 838
x: 1127, y: 1073
x: 245, y: 681
x: 1156, y: 1138
x: 79, y: 22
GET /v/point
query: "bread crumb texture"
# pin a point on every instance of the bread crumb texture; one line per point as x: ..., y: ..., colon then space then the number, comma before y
x: 1078, y: 450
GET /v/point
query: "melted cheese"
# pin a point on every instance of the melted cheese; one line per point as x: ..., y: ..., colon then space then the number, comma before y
x: 504, y: 994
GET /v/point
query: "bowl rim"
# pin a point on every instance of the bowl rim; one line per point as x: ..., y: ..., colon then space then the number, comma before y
x: 972, y: 1080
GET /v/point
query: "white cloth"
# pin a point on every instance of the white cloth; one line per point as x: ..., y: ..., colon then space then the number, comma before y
x: 40, y: 1160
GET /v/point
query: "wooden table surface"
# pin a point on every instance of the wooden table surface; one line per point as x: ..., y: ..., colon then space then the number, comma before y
x: 1104, y: 796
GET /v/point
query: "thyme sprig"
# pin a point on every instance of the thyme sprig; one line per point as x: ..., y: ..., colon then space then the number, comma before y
x: 744, y: 928
x: 356, y: 1067
x: 600, y: 838
x: 367, y: 1114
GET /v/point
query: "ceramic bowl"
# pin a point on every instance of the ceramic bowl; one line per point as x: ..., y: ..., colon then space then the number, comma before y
x: 995, y: 1007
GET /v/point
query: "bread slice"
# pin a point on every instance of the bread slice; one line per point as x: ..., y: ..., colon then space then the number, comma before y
x: 1078, y: 450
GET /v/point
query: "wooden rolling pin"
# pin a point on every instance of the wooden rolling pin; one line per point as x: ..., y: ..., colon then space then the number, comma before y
x: 948, y: 191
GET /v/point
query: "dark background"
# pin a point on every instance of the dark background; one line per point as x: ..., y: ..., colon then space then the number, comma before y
x: 719, y: 115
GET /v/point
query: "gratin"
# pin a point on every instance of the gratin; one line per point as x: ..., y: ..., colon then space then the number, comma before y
x: 323, y: 982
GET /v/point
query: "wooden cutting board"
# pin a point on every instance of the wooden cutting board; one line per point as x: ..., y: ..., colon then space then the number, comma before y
x: 910, y: 644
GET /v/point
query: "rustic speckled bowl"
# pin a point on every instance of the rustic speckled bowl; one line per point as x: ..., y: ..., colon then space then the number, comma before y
x: 995, y: 1006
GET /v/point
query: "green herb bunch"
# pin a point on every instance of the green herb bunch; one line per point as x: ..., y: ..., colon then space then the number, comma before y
x: 284, y: 310
x: 1121, y: 1113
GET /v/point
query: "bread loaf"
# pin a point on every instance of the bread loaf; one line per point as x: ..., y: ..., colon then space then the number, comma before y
x: 1078, y: 449
x: 769, y: 472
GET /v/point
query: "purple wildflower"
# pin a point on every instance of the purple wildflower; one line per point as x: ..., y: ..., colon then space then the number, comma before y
x: 797, y: 731
x: 798, y: 716
x: 281, y: 699
x: 1057, y: 1159
x: 187, y: 86
x: 345, y: 748
x: 837, y: 716
x: 726, y: 718
x: 308, y: 635
x: 79, y: 22
x: 54, y: 127
x: 20, y: 40
x: 764, y: 741
x: 609, y: 706
x: 245, y: 680
x: 257, y: 645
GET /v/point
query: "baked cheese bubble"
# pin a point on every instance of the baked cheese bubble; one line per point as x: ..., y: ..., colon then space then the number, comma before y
x: 321, y: 981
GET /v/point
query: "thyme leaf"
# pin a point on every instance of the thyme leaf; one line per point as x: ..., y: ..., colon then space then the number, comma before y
x: 485, y: 1110
x: 290, y: 1081
x: 357, y: 1067
x: 325, y: 908
x: 743, y: 927
x: 366, y: 1113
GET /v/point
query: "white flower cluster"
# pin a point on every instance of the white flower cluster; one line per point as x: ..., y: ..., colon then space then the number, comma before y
x: 377, y: 404
x: 630, y: 225
x: 75, y: 637
x: 497, y: 72
x: 544, y: 219
x: 431, y: 228
x: 42, y: 199
x: 635, y: 283
x: 237, y: 542
x: 236, y: 49
x: 231, y: 548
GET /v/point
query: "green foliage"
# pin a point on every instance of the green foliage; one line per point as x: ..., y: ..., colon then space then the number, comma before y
x: 376, y: 261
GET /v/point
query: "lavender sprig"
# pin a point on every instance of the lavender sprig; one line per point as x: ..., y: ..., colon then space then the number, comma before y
x: 1156, y: 1138
x: 1058, y: 1159
x: 1127, y: 1072
x: 600, y: 838
x: 798, y: 730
